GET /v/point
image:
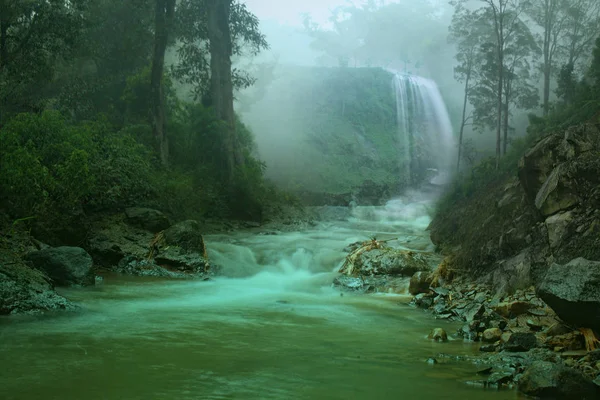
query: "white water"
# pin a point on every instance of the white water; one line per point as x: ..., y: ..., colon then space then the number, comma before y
x: 424, y: 127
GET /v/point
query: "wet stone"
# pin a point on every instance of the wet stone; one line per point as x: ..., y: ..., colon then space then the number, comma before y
x: 488, y: 348
x: 492, y: 335
x: 520, y: 342
x: 438, y: 335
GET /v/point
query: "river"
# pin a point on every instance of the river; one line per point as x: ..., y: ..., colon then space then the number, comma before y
x: 274, y: 328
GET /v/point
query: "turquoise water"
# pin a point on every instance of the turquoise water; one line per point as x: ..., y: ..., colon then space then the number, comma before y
x: 275, y: 329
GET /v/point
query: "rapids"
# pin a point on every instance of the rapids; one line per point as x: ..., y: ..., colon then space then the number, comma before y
x: 274, y: 328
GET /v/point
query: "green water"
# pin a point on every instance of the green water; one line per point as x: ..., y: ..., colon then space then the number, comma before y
x: 277, y: 331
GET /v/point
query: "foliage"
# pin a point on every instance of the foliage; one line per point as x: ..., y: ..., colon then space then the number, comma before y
x: 193, y: 47
x: 50, y: 166
x: 585, y: 106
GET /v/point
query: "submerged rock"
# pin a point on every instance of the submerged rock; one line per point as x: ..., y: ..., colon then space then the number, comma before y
x: 573, y: 292
x: 547, y: 380
x: 438, y: 335
x: 66, y: 266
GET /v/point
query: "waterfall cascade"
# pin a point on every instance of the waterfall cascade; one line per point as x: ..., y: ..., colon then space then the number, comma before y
x: 424, y: 129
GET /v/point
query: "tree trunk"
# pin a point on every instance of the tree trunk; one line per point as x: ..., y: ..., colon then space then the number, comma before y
x: 499, y: 105
x: 505, y: 124
x: 163, y: 20
x: 548, y: 17
x: 221, y: 84
x: 463, y: 123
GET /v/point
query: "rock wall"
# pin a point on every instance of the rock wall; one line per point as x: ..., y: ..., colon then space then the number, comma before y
x: 547, y: 213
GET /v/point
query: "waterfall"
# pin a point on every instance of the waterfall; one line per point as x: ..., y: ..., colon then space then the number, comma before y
x: 424, y: 129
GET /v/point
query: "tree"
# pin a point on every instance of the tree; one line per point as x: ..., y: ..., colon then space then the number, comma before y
x: 504, y: 17
x: 221, y: 81
x: 582, y: 27
x: 34, y: 35
x: 165, y: 10
x: 467, y: 33
x: 518, y: 88
x: 193, y: 44
x: 550, y: 16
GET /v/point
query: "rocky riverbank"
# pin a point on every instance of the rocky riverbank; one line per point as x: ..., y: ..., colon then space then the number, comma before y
x: 524, y: 251
x: 137, y: 241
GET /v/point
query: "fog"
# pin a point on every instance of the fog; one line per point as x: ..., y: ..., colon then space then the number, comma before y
x: 405, y: 36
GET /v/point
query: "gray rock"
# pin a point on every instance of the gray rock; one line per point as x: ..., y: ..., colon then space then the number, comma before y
x: 550, y: 199
x: 473, y: 311
x: 27, y: 290
x: 557, y: 227
x: 390, y: 262
x: 419, y: 283
x: 66, y: 266
x: 547, y: 380
x: 182, y: 248
x: 521, y: 341
x: 147, y: 218
x: 573, y: 292
x: 492, y: 335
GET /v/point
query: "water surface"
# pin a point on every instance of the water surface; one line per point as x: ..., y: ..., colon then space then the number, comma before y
x: 274, y: 330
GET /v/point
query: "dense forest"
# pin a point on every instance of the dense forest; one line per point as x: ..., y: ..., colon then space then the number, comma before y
x: 90, y: 119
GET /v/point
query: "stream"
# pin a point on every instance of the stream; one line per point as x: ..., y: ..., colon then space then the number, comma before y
x: 274, y: 328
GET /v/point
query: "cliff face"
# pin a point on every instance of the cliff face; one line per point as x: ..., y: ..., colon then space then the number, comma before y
x: 513, y: 231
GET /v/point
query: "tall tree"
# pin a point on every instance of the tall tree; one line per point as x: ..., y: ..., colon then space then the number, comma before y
x: 505, y: 18
x: 519, y: 90
x: 582, y: 27
x: 550, y: 16
x: 165, y: 10
x: 221, y: 81
x: 467, y: 33
x: 193, y: 44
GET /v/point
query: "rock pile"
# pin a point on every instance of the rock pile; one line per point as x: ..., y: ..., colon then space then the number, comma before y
x: 517, y: 332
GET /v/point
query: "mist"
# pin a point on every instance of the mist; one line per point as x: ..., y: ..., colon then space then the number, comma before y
x: 311, y: 40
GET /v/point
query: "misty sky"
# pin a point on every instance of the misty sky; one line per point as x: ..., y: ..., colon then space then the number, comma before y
x: 289, y: 12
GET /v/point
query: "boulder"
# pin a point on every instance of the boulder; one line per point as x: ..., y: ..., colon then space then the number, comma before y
x: 187, y: 235
x: 557, y: 227
x: 521, y: 341
x: 182, y: 248
x: 66, y: 266
x: 419, y: 283
x: 547, y: 380
x: 147, y: 218
x: 389, y: 261
x: 492, y: 335
x: 573, y: 292
x: 555, y: 194
x: 27, y: 290
x: 111, y: 243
